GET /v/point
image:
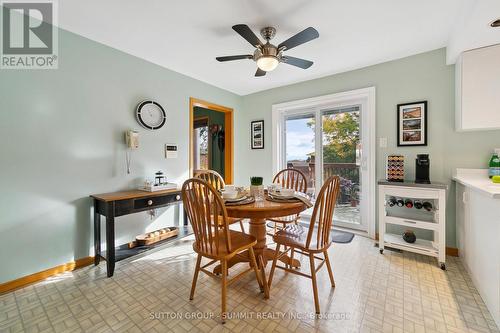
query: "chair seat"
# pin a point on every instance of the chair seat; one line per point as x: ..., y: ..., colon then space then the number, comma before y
x: 239, y: 242
x: 295, y: 236
x: 285, y: 219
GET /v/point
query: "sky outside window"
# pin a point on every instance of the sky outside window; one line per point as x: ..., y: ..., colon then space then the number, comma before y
x: 299, y: 139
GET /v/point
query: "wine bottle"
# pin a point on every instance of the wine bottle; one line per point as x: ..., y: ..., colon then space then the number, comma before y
x: 409, y: 203
x: 428, y: 206
x: 392, y: 202
x: 400, y: 202
x: 418, y: 204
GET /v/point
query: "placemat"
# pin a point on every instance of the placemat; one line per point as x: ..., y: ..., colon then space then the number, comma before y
x: 268, y: 198
x: 305, y: 200
x: 242, y: 202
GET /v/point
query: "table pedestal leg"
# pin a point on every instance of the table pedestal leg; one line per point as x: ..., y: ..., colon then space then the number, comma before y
x: 258, y: 230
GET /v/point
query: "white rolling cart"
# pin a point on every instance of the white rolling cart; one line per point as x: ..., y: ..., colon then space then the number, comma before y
x: 435, y: 220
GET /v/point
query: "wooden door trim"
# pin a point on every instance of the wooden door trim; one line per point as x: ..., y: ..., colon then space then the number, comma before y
x: 229, y: 135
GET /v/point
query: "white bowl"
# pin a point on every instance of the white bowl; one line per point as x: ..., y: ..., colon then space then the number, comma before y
x: 287, y: 192
x: 274, y: 188
x: 229, y: 194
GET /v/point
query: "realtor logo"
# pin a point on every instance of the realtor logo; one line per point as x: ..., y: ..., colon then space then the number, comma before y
x: 29, y: 37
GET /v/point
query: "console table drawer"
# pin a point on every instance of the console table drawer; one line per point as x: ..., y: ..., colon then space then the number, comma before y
x: 153, y: 202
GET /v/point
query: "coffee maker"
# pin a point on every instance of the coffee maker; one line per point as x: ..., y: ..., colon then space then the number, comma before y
x: 422, y: 164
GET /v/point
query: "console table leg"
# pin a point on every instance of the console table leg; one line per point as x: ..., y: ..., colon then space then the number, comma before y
x: 97, y: 236
x: 110, y: 242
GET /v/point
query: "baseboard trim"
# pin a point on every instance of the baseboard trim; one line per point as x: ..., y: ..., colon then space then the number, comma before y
x: 450, y: 251
x: 29, y: 279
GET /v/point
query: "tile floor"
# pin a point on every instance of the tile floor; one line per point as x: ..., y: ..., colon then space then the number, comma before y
x: 394, y: 292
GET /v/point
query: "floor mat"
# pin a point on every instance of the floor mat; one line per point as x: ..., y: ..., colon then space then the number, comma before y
x: 343, y: 237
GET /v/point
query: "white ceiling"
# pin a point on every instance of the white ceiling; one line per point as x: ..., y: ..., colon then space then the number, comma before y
x: 186, y: 36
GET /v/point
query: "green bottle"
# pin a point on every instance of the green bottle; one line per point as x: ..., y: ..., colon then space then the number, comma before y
x: 494, y: 167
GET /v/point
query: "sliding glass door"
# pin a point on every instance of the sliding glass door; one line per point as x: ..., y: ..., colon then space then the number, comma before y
x: 328, y: 140
x: 341, y: 155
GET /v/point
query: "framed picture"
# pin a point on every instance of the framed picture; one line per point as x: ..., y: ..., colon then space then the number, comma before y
x: 257, y: 134
x: 412, y: 124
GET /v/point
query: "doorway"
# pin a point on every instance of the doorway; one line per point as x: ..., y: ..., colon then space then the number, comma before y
x: 332, y: 135
x: 211, y: 138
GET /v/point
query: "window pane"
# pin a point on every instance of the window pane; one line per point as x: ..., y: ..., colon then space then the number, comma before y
x: 299, y: 149
x: 341, y: 152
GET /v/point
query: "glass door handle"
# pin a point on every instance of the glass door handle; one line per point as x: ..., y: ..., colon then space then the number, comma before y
x: 364, y: 163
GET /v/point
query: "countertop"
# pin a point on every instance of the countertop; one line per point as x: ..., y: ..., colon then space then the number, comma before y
x: 406, y: 183
x: 477, y: 179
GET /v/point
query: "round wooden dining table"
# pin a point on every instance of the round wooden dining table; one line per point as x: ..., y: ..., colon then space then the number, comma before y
x: 258, y: 212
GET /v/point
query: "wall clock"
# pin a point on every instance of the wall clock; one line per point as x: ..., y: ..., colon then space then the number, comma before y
x: 151, y: 115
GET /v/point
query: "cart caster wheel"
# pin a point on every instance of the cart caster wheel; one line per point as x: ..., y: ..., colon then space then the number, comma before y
x: 381, y: 251
x: 443, y: 266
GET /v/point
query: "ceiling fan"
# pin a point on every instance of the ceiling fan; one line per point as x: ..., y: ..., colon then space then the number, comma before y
x: 267, y: 55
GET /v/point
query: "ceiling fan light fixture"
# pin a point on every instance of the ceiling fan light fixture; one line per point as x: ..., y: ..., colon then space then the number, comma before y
x: 267, y: 63
x: 495, y: 24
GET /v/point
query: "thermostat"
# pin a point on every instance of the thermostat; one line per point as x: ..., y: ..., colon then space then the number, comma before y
x: 170, y: 150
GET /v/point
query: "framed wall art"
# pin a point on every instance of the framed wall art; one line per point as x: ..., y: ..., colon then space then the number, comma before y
x: 257, y: 134
x: 412, y: 124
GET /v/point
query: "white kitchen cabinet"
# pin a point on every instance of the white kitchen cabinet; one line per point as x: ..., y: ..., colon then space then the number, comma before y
x: 478, y: 238
x: 477, y: 83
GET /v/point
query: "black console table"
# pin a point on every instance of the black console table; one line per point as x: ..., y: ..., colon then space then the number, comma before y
x: 117, y: 204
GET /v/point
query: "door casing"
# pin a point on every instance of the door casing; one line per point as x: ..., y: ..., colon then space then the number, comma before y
x: 365, y: 97
x: 229, y: 135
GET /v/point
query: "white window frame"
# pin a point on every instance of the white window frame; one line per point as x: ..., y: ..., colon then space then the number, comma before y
x: 310, y: 105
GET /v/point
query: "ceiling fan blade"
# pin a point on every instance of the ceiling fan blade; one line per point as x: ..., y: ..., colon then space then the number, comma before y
x: 302, y: 37
x: 248, y: 34
x: 302, y: 63
x: 235, y: 57
x: 260, y: 72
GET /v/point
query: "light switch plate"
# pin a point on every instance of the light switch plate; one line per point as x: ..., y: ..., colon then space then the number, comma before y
x: 170, y: 150
x: 383, y: 142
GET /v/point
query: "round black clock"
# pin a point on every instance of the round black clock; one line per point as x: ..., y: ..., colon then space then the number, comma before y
x: 151, y: 115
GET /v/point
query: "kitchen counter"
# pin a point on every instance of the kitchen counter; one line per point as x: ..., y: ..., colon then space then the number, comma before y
x: 478, y: 230
x: 477, y: 180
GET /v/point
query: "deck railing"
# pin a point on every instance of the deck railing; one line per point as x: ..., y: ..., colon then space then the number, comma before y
x: 347, y: 171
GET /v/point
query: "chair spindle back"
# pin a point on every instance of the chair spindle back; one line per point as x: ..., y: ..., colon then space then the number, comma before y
x: 291, y: 179
x: 323, y: 213
x: 212, y: 177
x: 208, y: 216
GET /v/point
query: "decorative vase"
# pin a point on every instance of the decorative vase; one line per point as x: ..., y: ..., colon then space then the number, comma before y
x: 257, y: 191
x: 409, y: 236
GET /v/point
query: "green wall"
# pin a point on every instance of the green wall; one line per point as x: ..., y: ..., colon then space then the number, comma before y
x: 421, y: 77
x: 61, y: 134
x: 214, y: 117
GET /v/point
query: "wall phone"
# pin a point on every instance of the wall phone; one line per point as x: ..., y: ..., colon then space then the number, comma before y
x: 132, y: 142
x: 132, y: 139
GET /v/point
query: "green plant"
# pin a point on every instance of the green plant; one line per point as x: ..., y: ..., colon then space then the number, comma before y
x: 256, y: 181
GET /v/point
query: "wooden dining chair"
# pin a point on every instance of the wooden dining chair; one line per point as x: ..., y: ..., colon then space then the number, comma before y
x: 290, y: 179
x: 315, y: 241
x: 215, y: 241
x: 215, y: 179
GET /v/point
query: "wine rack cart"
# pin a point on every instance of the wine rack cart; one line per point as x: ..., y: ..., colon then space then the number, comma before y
x: 436, y: 193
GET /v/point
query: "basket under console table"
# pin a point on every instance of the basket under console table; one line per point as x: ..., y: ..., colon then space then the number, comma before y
x: 433, y: 220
